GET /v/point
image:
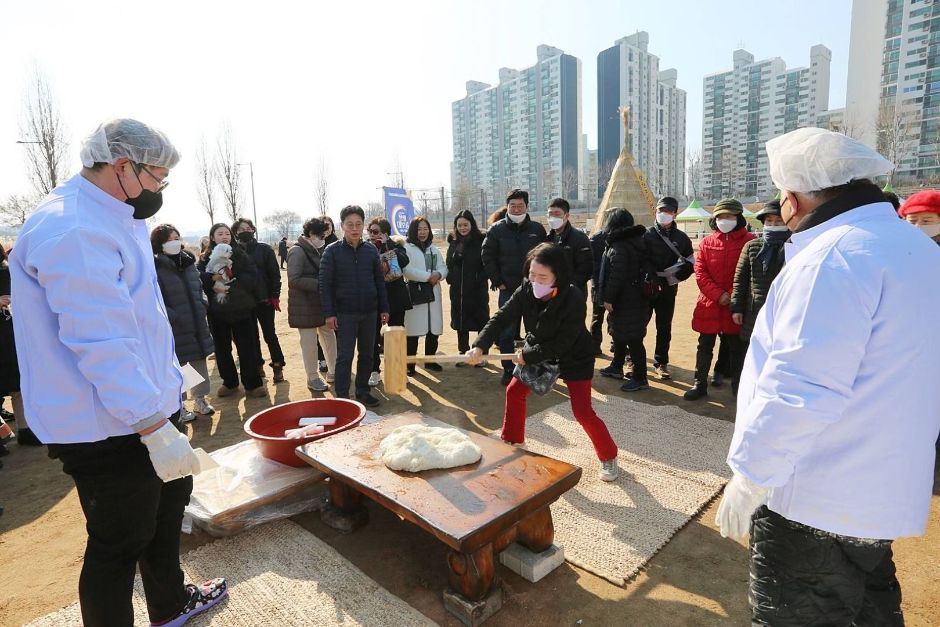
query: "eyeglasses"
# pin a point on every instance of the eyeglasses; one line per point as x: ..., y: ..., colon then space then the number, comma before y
x: 374, y: 231
x: 163, y: 183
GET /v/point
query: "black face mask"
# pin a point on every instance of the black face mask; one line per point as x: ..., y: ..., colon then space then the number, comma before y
x: 245, y: 237
x: 147, y: 203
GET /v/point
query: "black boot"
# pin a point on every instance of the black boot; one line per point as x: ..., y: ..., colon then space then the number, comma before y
x: 699, y: 390
x: 703, y: 362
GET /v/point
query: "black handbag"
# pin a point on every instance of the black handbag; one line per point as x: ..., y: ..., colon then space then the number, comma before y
x: 421, y: 293
x: 538, y: 377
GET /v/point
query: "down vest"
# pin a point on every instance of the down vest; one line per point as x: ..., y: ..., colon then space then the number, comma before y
x: 304, y: 310
x: 715, y: 266
x: 505, y: 249
x: 619, y: 283
x: 186, y: 305
x: 555, y: 330
x: 751, y: 284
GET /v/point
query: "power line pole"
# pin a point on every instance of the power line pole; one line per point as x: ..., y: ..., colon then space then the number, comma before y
x: 251, y: 171
x: 443, y: 215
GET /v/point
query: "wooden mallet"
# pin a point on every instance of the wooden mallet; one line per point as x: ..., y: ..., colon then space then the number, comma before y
x: 395, y: 375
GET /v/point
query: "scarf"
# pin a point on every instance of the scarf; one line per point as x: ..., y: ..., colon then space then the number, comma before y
x: 770, y: 250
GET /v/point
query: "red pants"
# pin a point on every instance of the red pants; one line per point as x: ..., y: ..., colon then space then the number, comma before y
x: 580, y: 392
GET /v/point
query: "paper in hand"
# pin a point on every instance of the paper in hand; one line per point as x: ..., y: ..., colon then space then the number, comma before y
x: 191, y: 378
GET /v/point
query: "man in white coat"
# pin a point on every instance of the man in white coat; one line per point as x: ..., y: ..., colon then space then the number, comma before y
x: 833, y: 448
x: 100, y: 380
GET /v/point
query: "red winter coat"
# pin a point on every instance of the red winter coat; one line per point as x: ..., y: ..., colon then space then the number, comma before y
x: 715, y: 264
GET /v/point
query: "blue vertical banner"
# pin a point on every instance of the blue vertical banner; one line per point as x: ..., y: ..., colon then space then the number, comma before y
x: 399, y: 210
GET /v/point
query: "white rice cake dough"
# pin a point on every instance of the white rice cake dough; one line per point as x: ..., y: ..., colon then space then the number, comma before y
x: 417, y: 447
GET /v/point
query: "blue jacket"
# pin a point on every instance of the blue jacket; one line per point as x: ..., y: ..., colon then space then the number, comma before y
x: 351, y: 279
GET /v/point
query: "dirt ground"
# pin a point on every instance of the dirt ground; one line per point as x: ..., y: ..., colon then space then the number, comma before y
x: 698, y: 578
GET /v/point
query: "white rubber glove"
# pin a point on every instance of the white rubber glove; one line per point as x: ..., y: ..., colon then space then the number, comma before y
x: 170, y: 453
x: 740, y: 500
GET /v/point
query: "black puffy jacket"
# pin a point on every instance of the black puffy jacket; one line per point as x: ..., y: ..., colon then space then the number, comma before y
x: 620, y: 283
x: 469, y: 301
x: 351, y: 279
x: 269, y: 271
x: 751, y: 285
x: 598, y: 244
x: 186, y: 305
x: 555, y: 330
x: 505, y: 249
x: 241, y: 300
x: 580, y: 255
x: 660, y: 256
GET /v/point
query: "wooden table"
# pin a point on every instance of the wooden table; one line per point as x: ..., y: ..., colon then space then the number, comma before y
x: 476, y: 510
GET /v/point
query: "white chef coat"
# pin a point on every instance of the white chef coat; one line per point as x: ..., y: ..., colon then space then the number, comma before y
x: 93, y: 340
x: 838, y: 409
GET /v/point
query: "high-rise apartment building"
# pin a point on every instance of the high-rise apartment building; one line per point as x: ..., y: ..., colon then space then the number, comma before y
x: 629, y: 76
x: 525, y: 132
x: 746, y: 106
x: 893, y: 91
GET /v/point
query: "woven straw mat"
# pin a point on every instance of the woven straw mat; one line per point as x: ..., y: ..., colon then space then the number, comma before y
x: 672, y: 463
x: 278, y: 574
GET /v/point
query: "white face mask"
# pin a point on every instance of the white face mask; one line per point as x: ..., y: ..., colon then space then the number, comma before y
x: 555, y: 223
x: 173, y: 247
x: 726, y: 226
x: 930, y: 230
x: 317, y: 242
x: 664, y: 219
x: 776, y: 229
x: 516, y: 219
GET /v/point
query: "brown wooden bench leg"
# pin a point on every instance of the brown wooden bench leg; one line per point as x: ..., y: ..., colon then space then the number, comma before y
x: 536, y: 531
x: 345, y: 512
x: 472, y: 574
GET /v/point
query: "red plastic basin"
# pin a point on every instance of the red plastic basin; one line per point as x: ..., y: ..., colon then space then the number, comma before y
x: 267, y: 427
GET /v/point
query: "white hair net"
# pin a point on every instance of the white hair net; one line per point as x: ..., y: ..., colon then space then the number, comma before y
x: 811, y: 159
x: 129, y: 138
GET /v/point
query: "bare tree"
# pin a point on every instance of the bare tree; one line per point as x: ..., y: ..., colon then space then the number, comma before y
x: 730, y: 172
x: 569, y: 182
x: 850, y: 127
x: 604, y: 172
x: 322, y: 188
x: 461, y: 201
x: 694, y: 171
x: 895, y: 129
x: 43, y: 136
x: 206, y: 181
x: 374, y: 209
x: 285, y: 222
x: 16, y: 209
x: 226, y: 172
x: 423, y: 198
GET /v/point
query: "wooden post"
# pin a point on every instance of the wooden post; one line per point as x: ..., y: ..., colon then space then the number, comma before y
x: 395, y: 373
x: 472, y: 574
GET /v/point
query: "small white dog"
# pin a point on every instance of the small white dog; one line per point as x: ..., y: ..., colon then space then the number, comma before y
x: 220, y: 260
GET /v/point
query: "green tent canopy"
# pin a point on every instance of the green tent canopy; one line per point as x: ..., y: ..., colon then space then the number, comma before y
x: 693, y: 213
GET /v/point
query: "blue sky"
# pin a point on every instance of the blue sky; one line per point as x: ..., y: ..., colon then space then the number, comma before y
x: 360, y: 85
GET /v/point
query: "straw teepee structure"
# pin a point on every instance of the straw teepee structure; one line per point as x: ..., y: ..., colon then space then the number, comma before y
x: 627, y: 188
